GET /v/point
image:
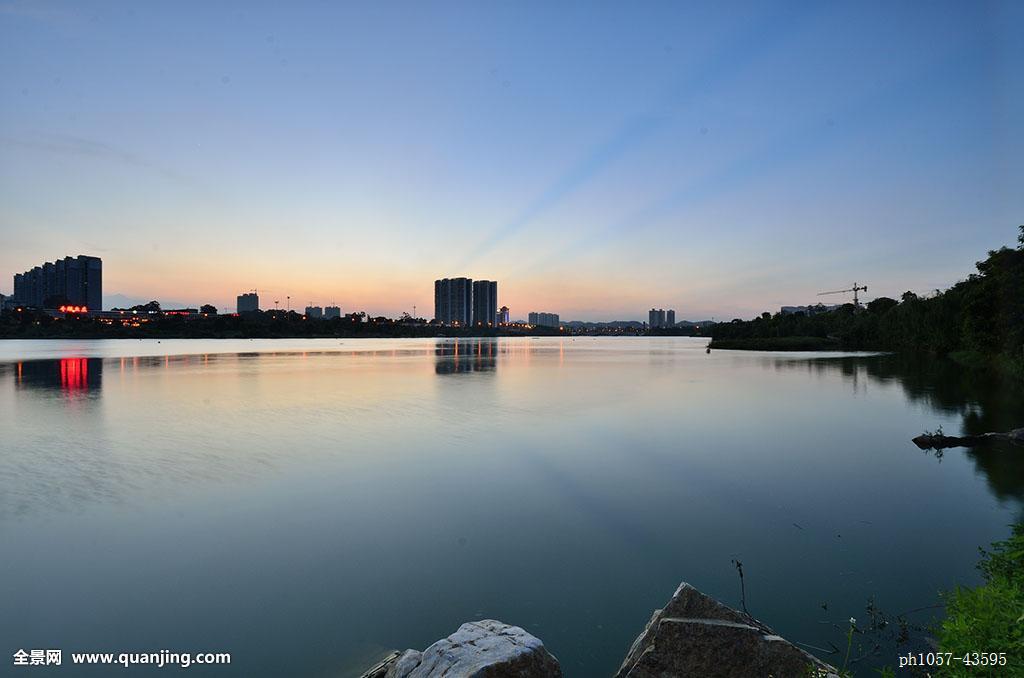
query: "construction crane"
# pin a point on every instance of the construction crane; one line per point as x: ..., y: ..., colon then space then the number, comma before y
x: 854, y: 289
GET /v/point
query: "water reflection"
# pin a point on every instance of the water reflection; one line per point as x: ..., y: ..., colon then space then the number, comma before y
x: 985, y: 400
x: 465, y: 357
x: 580, y: 462
x: 73, y: 377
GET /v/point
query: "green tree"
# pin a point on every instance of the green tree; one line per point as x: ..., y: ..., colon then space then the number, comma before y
x: 881, y: 305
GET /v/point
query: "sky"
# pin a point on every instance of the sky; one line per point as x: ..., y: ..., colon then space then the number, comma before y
x: 596, y: 159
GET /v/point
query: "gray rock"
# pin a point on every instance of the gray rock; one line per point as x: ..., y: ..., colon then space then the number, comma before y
x: 696, y: 636
x: 482, y: 649
x: 404, y: 664
x: 380, y: 669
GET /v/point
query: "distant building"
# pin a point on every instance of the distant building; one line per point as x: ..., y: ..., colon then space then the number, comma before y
x: 314, y: 312
x: 543, y: 319
x: 656, y: 318
x: 76, y: 281
x: 502, y: 317
x: 453, y: 301
x: 248, y: 302
x: 332, y: 312
x: 812, y: 309
x: 659, y: 317
x: 485, y: 302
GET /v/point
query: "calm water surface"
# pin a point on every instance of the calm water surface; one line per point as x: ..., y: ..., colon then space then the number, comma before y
x: 306, y: 505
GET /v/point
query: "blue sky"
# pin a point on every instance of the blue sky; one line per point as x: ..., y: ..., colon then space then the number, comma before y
x: 597, y: 159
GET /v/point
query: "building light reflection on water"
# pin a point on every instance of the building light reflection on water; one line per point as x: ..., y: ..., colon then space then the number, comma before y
x: 74, y: 374
x: 465, y: 356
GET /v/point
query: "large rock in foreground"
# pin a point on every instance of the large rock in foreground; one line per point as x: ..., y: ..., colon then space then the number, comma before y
x: 697, y: 636
x: 481, y: 649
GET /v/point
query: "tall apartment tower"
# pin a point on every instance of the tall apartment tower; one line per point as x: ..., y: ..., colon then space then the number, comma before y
x: 670, y: 318
x: 77, y: 281
x: 453, y: 301
x: 92, y: 282
x: 656, y: 318
x: 485, y: 303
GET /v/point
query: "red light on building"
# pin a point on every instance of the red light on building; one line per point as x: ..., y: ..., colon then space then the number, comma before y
x: 73, y: 309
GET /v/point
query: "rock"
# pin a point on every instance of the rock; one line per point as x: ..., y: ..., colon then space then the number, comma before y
x: 481, y: 649
x: 694, y: 635
x: 404, y: 664
x: 937, y: 441
x: 380, y: 669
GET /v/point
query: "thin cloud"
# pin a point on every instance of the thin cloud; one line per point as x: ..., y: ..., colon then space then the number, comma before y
x: 802, y: 141
x: 82, y: 147
x: 731, y: 58
x: 37, y: 11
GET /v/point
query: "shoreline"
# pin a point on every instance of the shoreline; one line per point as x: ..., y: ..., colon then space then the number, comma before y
x: 781, y: 344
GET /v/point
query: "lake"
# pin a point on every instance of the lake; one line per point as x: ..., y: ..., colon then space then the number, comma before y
x: 308, y: 504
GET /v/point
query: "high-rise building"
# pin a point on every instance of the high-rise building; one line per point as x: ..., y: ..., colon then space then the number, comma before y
x: 543, y: 319
x: 92, y: 282
x: 50, y: 289
x: 485, y: 302
x: 76, y: 281
x: 453, y: 301
x: 314, y: 312
x: 502, y: 318
x: 248, y: 302
x: 332, y: 312
x: 659, y: 317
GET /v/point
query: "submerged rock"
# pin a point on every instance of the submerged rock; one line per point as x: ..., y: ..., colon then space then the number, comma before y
x: 937, y: 441
x: 481, y: 649
x: 694, y: 635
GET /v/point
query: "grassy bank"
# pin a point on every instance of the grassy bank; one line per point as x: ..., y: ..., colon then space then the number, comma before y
x: 1001, y: 364
x: 989, y: 618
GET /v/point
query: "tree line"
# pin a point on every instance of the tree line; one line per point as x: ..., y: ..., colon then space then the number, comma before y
x: 981, y: 316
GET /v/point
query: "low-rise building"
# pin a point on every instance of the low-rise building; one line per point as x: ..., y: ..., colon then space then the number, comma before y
x: 248, y: 302
x: 538, y: 319
x: 812, y: 309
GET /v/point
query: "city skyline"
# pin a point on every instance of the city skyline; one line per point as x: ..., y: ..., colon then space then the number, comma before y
x: 722, y: 160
